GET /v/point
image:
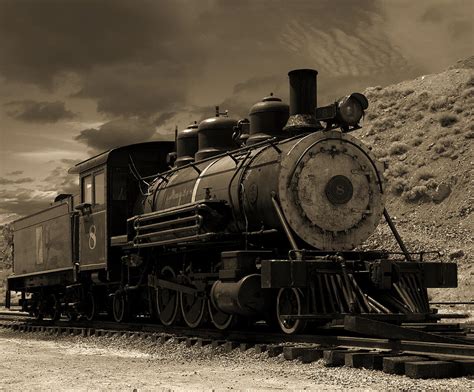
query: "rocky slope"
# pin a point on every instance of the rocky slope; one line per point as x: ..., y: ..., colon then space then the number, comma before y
x: 423, y: 129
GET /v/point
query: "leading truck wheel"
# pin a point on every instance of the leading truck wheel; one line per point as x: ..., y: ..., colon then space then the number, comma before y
x: 219, y: 319
x: 290, y: 301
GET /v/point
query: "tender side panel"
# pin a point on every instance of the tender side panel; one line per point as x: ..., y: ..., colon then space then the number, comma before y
x: 43, y: 241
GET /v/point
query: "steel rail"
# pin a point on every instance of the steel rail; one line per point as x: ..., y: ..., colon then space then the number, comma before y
x: 263, y: 336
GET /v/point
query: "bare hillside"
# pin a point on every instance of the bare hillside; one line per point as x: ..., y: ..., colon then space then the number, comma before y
x: 423, y: 129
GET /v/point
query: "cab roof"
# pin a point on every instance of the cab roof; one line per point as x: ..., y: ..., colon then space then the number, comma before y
x: 106, y: 156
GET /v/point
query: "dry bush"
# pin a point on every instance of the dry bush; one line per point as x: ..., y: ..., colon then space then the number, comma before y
x: 468, y: 93
x: 407, y: 92
x: 416, y: 141
x: 6, y: 246
x: 458, y: 109
x: 439, y: 103
x: 397, y: 170
x: 423, y: 174
x: 418, y: 116
x: 380, y: 152
x: 417, y: 193
x: 396, y: 137
x: 445, y: 146
x: 371, y: 116
x: 398, y: 148
x: 382, y: 125
x: 420, y: 132
x: 446, y: 120
x: 398, y: 186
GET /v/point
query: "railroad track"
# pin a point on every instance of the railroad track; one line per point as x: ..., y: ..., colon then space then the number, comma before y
x: 337, y: 346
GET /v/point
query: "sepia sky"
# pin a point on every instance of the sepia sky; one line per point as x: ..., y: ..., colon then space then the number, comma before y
x: 81, y: 76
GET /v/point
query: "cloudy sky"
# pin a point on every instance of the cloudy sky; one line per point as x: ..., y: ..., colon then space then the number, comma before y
x: 81, y: 76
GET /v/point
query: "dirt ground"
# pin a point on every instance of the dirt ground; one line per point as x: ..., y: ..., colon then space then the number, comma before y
x: 41, y: 362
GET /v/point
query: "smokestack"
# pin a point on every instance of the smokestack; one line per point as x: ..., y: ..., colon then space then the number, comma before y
x: 302, y: 101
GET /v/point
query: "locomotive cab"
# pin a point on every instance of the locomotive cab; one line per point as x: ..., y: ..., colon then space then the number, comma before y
x: 112, y: 182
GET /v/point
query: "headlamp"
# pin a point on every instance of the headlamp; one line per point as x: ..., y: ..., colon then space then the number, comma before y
x: 345, y: 113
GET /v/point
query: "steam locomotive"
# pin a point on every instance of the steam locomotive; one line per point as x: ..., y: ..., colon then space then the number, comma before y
x: 235, y: 222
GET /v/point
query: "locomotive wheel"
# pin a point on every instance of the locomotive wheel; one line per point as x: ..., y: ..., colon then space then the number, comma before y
x: 120, y: 307
x: 193, y: 309
x: 90, y: 311
x: 290, y: 301
x: 152, y: 301
x: 219, y: 319
x: 167, y: 301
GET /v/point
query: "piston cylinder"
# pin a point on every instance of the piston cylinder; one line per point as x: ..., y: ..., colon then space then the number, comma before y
x: 243, y: 297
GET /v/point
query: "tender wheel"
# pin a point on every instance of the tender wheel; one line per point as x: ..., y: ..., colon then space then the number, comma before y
x: 54, y: 307
x: 120, y: 307
x: 193, y: 308
x: 90, y: 311
x: 71, y: 315
x: 167, y: 301
x: 219, y: 319
x: 37, y: 309
x: 290, y: 301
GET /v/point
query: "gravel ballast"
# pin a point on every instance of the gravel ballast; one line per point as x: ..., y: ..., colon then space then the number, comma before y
x: 39, y: 361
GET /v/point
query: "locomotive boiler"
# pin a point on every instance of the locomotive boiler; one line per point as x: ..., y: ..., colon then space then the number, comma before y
x: 257, y: 220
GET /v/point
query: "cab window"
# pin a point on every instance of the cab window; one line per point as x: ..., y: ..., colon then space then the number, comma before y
x: 99, y: 188
x: 87, y: 189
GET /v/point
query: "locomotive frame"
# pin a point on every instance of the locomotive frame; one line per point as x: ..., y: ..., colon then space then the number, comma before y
x: 264, y: 231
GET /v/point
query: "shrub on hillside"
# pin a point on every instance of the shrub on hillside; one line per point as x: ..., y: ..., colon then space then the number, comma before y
x: 397, y: 170
x: 383, y: 124
x: 469, y: 92
x: 439, y: 103
x: 398, y: 148
x: 398, y: 186
x: 423, y: 174
x: 417, y: 193
x: 6, y: 247
x: 446, y: 120
x: 418, y: 116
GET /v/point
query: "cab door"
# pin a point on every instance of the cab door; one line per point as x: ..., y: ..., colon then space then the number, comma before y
x: 92, y: 221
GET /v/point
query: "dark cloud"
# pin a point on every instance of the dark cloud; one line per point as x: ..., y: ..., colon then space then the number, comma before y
x: 135, y: 89
x: 60, y: 181
x: 39, y: 40
x: 7, y: 181
x: 117, y: 133
x: 163, y: 117
x: 15, y: 173
x: 38, y: 112
x: 274, y: 81
x: 23, y: 201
